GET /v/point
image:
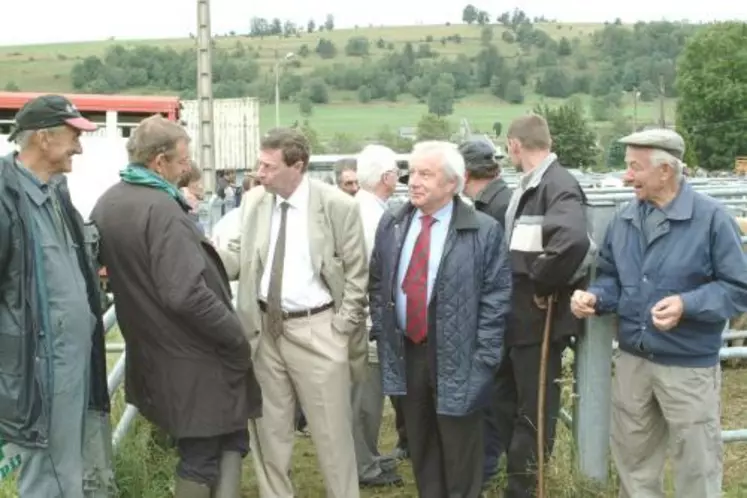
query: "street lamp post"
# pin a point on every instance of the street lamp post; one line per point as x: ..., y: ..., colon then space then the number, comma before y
x: 288, y: 56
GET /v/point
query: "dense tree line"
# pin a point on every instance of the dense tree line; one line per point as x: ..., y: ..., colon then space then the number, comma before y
x: 618, y: 59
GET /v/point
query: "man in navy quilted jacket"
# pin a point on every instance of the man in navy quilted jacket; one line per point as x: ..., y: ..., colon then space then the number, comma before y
x: 439, y: 291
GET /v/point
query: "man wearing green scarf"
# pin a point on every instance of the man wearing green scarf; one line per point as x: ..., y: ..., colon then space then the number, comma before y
x: 189, y: 363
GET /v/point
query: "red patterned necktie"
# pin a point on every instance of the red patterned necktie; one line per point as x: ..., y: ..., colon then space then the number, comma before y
x: 415, y: 283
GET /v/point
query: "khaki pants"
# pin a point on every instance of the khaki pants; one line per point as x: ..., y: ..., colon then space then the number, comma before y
x: 656, y: 408
x: 308, y: 362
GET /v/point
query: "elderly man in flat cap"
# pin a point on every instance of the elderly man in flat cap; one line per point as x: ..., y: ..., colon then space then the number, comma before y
x: 673, y: 271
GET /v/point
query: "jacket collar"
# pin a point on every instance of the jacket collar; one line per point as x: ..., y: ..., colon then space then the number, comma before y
x: 533, y: 178
x: 490, y: 191
x: 464, y: 217
x: 681, y: 207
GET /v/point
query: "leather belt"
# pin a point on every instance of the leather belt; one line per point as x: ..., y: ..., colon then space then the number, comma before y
x: 290, y: 315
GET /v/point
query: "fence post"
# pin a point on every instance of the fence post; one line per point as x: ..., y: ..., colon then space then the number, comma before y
x: 593, y: 371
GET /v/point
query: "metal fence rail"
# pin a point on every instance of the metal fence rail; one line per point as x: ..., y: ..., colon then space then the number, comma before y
x: 115, y: 380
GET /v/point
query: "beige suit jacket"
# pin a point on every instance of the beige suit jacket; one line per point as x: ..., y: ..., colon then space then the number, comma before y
x: 338, y: 255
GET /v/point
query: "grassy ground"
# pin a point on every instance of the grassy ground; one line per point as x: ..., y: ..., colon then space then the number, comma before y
x: 144, y: 469
x: 47, y: 67
x: 150, y: 476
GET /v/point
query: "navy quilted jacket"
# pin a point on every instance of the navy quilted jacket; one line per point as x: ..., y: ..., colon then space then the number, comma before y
x: 468, y: 310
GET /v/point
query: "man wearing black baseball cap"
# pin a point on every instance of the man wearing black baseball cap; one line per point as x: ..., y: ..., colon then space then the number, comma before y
x: 50, y: 309
x: 49, y: 111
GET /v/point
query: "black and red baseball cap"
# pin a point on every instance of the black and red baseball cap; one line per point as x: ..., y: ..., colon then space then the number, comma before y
x: 48, y: 111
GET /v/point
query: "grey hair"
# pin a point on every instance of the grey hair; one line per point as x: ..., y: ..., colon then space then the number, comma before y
x: 451, y: 160
x: 373, y: 162
x: 660, y: 157
x: 23, y: 138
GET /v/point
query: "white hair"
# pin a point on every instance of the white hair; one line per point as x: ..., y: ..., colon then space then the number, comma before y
x: 23, y: 138
x: 372, y: 162
x: 660, y: 157
x: 451, y: 160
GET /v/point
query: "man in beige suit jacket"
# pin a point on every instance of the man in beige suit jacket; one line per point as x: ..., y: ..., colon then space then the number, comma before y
x: 305, y: 318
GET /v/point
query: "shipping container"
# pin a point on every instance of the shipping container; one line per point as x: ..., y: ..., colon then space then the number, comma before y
x: 236, y: 128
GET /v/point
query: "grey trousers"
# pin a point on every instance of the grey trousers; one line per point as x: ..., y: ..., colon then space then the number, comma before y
x: 98, y: 466
x: 368, y: 406
x: 57, y: 471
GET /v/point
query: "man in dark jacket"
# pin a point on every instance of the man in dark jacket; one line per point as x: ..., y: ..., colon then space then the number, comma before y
x: 439, y: 291
x: 188, y: 362
x: 53, y: 364
x: 491, y: 195
x: 547, y: 230
x: 483, y: 183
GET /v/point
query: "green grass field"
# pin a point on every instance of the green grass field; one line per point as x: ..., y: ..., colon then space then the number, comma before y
x: 365, y: 120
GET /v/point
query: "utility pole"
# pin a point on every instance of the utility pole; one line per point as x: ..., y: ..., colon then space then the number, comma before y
x: 206, y: 139
x: 662, y: 115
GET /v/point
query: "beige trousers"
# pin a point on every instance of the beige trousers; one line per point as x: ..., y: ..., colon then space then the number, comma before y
x: 308, y: 363
x: 656, y: 408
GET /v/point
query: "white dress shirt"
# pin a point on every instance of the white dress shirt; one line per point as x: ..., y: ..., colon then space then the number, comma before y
x: 302, y: 289
x: 372, y: 208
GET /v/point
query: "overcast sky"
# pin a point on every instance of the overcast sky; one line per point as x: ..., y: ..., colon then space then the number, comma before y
x: 50, y: 21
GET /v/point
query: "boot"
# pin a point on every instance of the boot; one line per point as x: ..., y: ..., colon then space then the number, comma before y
x: 190, y: 489
x: 229, y: 481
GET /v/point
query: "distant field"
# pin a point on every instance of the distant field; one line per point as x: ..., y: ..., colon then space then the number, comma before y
x: 365, y: 120
x: 47, y: 67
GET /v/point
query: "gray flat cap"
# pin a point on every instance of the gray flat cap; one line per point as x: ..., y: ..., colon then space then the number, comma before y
x: 657, y: 138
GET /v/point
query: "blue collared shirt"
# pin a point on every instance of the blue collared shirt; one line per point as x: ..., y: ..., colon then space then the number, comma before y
x: 439, y: 230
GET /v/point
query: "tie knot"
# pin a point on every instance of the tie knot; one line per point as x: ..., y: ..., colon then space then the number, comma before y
x: 427, y: 220
x: 284, y: 206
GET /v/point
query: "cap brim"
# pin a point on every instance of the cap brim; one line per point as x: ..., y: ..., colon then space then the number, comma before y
x: 81, y: 124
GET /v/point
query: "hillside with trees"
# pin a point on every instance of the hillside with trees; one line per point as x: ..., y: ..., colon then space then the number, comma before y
x: 608, y: 78
x: 507, y: 56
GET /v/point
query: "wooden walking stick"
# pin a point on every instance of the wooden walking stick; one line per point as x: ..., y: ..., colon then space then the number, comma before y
x: 541, y: 399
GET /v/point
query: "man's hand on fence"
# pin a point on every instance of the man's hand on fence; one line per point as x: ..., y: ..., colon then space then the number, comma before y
x: 666, y: 314
x: 582, y: 304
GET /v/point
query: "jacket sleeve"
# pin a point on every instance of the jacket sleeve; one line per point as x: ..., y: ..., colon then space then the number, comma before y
x: 606, y: 285
x: 376, y: 304
x: 495, y: 299
x: 352, y: 251
x: 177, y: 268
x: 4, y: 240
x: 231, y: 254
x: 565, y: 241
x: 725, y: 296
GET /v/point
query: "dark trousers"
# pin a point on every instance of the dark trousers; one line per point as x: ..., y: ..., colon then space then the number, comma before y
x: 199, y: 458
x: 522, y: 450
x: 500, y: 416
x: 399, y: 422
x: 446, y: 452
